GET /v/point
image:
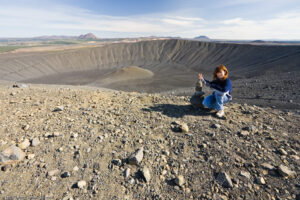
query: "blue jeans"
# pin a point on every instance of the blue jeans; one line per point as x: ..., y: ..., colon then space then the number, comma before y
x: 216, y: 101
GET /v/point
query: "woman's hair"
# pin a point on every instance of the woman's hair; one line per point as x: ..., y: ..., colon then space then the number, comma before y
x: 218, y: 69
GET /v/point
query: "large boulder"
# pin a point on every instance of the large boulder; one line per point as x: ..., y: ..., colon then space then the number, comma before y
x: 197, y: 99
x: 11, y: 155
x: 137, y: 157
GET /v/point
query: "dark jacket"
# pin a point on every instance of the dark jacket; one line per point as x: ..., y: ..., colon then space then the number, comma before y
x: 223, y: 86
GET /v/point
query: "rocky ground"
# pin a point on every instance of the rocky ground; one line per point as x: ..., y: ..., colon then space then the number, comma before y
x: 87, y: 143
x: 277, y: 90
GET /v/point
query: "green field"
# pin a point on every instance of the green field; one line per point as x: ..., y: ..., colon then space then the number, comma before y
x: 7, y: 45
x: 9, y: 48
x: 60, y: 42
x: 4, y: 47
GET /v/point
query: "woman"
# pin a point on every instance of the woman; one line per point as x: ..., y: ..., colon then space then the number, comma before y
x: 222, y: 90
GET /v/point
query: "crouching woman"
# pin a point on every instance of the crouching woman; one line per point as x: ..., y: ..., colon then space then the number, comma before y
x: 222, y: 90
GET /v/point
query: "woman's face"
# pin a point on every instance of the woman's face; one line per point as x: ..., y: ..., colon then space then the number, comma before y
x: 221, y: 74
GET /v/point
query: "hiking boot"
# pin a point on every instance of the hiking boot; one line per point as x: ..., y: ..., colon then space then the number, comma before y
x: 220, y: 113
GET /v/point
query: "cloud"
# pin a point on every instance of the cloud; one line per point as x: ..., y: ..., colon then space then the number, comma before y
x: 182, y: 21
x: 256, y: 2
x: 18, y: 21
x: 178, y: 22
x: 69, y: 18
x: 238, y: 21
x: 188, y: 18
x: 285, y: 26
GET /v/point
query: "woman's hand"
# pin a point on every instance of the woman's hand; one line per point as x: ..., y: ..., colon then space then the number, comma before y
x: 200, y: 76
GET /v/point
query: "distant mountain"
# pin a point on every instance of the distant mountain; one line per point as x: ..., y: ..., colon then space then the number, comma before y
x: 152, y: 36
x: 54, y: 37
x: 202, y: 37
x: 258, y: 41
x: 88, y: 36
x: 64, y: 37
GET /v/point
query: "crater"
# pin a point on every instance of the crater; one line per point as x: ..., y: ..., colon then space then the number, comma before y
x: 147, y: 66
x: 129, y: 73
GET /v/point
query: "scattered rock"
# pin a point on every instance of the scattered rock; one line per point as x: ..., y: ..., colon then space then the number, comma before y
x: 282, y: 118
x: 56, y: 134
x: 65, y: 175
x: 216, y: 126
x: 295, y: 157
x: 260, y: 180
x: 35, y: 142
x: 74, y: 135
x: 211, y: 144
x: 137, y: 157
x: 127, y: 173
x: 187, y: 190
x: 179, y: 180
x: 20, y: 85
x: 131, y: 181
x: 67, y: 197
x: 24, y: 144
x: 49, y: 135
x: 146, y: 173
x: 202, y: 146
x: 282, y: 151
x: 58, y: 108
x: 166, y: 152
x: 117, y: 162
x: 211, y: 134
x: 11, y: 155
x: 30, y: 156
x: 75, y: 169
x: 81, y: 184
x: 224, y: 179
x: 179, y: 126
x: 184, y: 128
x: 245, y: 174
x: 244, y: 133
x: 26, y: 127
x: 5, y: 168
x: 268, y: 166
x: 285, y: 171
x: 52, y: 172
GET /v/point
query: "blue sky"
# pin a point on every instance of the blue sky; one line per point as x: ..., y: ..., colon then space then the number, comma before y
x: 218, y: 19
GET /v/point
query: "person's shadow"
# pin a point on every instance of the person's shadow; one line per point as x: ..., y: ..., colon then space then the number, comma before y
x: 177, y: 111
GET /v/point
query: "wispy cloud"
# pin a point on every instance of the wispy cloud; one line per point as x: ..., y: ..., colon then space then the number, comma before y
x: 286, y: 26
x: 80, y: 19
x: 65, y: 20
x: 238, y: 21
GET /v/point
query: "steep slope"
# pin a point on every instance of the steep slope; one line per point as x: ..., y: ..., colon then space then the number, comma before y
x: 262, y: 74
x: 183, y: 55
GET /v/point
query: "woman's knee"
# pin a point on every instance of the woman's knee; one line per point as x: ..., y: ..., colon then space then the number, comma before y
x: 219, y: 98
x: 204, y: 102
x: 207, y: 101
